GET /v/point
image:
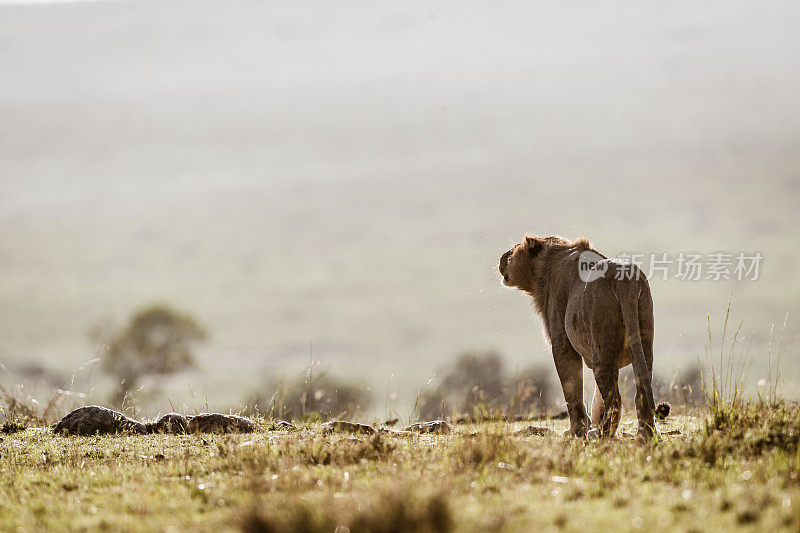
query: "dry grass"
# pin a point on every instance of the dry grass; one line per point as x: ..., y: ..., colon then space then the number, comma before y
x: 720, y: 472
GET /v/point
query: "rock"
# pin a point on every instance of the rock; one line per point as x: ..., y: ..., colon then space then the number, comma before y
x: 350, y: 427
x: 96, y: 420
x: 434, y: 426
x: 93, y: 420
x: 171, y: 423
x: 469, y: 419
x: 395, y: 432
x: 219, y: 423
x: 534, y: 430
x: 278, y: 425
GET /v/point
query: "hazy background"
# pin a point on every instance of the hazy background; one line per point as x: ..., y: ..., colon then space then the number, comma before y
x: 347, y: 174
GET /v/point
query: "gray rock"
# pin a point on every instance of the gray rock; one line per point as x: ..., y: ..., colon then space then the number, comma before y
x: 278, y: 425
x: 219, y: 423
x: 534, y: 430
x: 395, y: 432
x: 170, y: 423
x: 349, y: 427
x: 434, y: 426
x: 96, y: 420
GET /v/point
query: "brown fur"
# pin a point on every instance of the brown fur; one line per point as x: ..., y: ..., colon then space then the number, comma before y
x: 606, y: 323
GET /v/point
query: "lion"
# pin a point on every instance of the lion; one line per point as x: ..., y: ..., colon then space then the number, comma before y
x: 595, y: 310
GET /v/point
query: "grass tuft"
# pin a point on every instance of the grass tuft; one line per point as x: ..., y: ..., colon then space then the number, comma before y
x: 393, y: 508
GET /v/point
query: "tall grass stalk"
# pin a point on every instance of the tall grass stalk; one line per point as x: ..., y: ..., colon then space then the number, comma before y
x: 727, y: 375
x: 414, y: 416
x: 773, y: 378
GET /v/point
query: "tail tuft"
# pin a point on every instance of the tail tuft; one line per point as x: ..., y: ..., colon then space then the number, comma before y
x: 662, y: 410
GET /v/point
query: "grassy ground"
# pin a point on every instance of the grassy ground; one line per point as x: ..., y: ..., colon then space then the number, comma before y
x: 733, y: 468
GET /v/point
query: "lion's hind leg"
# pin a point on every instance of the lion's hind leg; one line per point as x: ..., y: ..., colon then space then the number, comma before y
x: 597, y: 407
x: 569, y: 366
x: 607, y: 414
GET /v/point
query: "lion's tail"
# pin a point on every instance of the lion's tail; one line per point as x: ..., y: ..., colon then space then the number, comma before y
x: 629, y: 303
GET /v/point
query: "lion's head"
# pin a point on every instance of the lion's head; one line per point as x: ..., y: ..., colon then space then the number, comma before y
x: 522, y: 264
x: 516, y: 265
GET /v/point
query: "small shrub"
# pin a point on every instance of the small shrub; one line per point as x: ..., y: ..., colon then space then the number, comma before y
x: 477, y: 385
x: 753, y: 428
x: 312, y: 398
x: 11, y: 426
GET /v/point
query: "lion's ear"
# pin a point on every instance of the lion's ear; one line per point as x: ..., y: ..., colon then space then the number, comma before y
x: 533, y: 245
